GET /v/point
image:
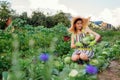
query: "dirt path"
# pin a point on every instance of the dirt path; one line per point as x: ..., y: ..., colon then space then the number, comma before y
x: 112, y: 72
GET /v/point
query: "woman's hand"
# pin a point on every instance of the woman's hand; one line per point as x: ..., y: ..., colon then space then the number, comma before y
x: 97, y: 36
x: 73, y: 46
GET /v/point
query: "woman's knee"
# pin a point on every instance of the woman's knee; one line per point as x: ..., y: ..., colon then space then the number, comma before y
x: 83, y: 56
x: 75, y: 57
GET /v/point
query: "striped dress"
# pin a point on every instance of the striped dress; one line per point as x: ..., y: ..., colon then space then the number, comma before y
x: 88, y: 51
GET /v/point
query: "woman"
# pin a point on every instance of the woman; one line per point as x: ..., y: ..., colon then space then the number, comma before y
x: 79, y: 26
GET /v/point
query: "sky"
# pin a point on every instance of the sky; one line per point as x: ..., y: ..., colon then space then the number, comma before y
x: 105, y: 10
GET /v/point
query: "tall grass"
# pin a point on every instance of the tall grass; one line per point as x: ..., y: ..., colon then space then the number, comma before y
x: 109, y: 35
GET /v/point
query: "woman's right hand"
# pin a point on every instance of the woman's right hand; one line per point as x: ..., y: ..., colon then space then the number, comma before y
x: 73, y: 46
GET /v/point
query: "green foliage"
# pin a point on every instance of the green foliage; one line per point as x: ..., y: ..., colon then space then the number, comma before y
x: 61, y: 18
x: 50, y: 21
x: 18, y: 22
x: 20, y: 50
x: 63, y: 48
x: 5, y: 13
x: 109, y: 35
x: 5, y: 41
x: 38, y: 18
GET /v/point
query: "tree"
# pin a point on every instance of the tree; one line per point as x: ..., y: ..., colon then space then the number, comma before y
x: 24, y: 16
x: 50, y: 21
x: 61, y: 18
x: 5, y: 13
x: 38, y: 19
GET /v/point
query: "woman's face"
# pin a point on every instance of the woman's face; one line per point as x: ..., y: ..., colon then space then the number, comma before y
x: 78, y: 25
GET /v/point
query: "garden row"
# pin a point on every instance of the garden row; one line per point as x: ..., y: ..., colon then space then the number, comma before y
x: 38, y: 53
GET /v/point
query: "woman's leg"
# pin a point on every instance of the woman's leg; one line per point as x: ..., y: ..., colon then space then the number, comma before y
x: 75, y: 57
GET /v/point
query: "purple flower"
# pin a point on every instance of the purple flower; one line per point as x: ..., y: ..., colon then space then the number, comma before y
x: 90, y: 69
x: 44, y: 57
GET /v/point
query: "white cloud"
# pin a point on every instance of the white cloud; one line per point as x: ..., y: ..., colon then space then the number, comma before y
x: 20, y: 5
x: 45, y: 5
x: 51, y: 6
x: 109, y: 16
x: 4, y: 0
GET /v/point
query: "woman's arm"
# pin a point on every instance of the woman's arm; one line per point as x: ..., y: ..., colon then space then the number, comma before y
x: 97, y: 36
x: 72, y: 42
